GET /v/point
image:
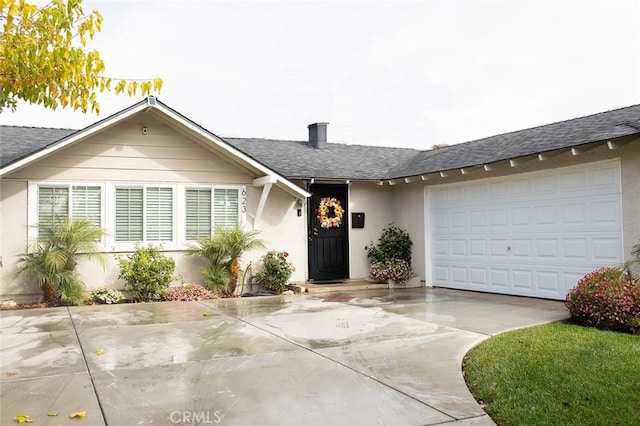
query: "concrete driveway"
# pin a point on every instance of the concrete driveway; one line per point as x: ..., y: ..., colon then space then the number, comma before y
x: 388, y: 357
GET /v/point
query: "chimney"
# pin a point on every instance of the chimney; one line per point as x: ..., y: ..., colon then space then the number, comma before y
x: 318, y: 135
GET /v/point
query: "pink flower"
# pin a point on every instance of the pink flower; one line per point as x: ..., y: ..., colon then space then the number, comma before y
x: 285, y: 254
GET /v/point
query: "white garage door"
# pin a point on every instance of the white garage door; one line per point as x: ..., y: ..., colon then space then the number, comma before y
x: 534, y: 234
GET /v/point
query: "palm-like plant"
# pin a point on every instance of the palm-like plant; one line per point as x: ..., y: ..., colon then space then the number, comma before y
x: 216, y: 276
x: 52, y: 259
x: 223, y: 251
x: 235, y: 241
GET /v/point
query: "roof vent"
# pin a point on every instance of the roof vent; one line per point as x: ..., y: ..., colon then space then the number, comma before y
x: 318, y: 135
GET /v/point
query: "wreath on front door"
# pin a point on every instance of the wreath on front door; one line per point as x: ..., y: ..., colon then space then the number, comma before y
x: 330, y: 213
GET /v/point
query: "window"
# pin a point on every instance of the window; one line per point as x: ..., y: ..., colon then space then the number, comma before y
x: 226, y: 202
x: 53, y: 203
x: 129, y: 211
x: 200, y: 207
x: 198, y: 213
x: 171, y: 214
x: 144, y: 214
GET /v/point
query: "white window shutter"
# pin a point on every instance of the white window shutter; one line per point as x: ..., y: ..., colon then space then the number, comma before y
x: 198, y: 213
x: 53, y: 203
x: 159, y: 214
x: 129, y: 210
x: 226, y: 207
x: 86, y: 203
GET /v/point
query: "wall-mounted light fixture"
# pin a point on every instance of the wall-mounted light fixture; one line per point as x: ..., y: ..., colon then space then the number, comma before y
x: 144, y: 130
x: 298, y: 207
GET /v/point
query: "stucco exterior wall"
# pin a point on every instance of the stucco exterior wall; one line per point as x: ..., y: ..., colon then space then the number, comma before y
x: 630, y: 171
x: 409, y: 214
x: 123, y: 153
x: 377, y: 204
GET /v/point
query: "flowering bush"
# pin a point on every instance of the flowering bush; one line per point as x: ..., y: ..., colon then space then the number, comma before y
x: 275, y: 271
x: 188, y: 292
x: 147, y: 271
x: 391, y: 269
x: 608, y: 299
x: 106, y: 296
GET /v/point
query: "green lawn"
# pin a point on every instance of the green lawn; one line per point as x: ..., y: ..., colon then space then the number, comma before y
x: 557, y: 374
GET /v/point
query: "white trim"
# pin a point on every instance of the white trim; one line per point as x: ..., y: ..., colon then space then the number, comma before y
x: 108, y: 219
x: 263, y: 202
x: 73, y: 138
x: 147, y: 105
x: 428, y: 270
x: 33, y: 203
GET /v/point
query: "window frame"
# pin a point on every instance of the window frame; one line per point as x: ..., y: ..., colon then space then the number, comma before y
x: 108, y: 243
x: 33, y: 201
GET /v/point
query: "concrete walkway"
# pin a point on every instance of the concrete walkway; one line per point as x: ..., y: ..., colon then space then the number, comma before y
x: 387, y: 357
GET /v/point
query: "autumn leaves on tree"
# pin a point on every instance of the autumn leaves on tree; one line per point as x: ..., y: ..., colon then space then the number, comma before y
x: 44, y: 58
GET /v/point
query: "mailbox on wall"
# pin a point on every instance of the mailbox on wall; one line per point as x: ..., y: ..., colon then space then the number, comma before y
x: 357, y: 220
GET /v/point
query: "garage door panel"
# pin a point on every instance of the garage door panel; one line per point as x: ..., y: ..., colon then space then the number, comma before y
x: 547, y: 249
x: 498, y: 218
x: 499, y: 247
x: 606, y: 212
x: 534, y: 235
x: 545, y: 185
x: 574, y: 214
x: 499, y: 278
x: 572, y: 181
x: 606, y: 250
x: 458, y: 219
x: 605, y: 177
x: 442, y: 247
x: 478, y: 247
x: 522, y: 279
x: 477, y: 220
x: 575, y: 248
x: 522, y: 248
x: 546, y: 215
x: 478, y: 276
x: 548, y: 281
x: 442, y: 274
x: 458, y: 247
x: 459, y: 274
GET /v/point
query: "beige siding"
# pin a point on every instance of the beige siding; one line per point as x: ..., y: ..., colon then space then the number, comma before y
x: 124, y: 153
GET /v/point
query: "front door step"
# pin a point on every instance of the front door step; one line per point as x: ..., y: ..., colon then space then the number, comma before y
x: 309, y: 287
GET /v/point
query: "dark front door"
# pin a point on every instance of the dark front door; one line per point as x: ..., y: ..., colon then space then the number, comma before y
x: 328, y: 236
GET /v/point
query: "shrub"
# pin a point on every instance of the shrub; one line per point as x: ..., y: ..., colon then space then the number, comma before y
x: 391, y: 269
x: 275, y: 271
x: 223, y: 251
x: 107, y: 296
x: 608, y: 299
x: 147, y: 272
x: 52, y: 259
x: 394, y: 243
x: 187, y: 292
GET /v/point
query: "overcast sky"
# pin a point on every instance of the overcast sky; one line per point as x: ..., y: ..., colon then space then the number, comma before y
x: 394, y: 73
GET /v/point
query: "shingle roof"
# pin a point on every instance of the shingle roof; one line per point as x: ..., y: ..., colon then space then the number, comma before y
x: 564, y: 134
x: 17, y: 142
x: 298, y: 159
